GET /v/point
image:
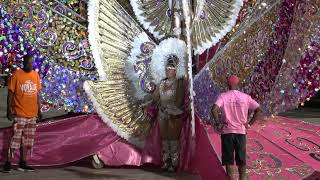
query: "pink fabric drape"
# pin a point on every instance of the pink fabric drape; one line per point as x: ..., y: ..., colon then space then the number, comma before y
x: 121, y: 152
x: 68, y: 140
x: 205, y: 161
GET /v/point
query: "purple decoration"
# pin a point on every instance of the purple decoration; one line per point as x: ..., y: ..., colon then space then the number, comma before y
x: 203, y: 15
x: 63, y: 89
x: 142, y: 67
x: 206, y: 93
x: 18, y: 13
x: 286, y: 75
x: 47, y: 38
x: 70, y: 46
x: 87, y: 63
x: 169, y: 13
x: 264, y: 77
x: 147, y: 47
x: 308, y: 71
x: 61, y: 9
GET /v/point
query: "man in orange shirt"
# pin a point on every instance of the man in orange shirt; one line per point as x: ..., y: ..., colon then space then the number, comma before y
x: 23, y: 108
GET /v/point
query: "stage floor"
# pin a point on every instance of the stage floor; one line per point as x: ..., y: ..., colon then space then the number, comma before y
x: 79, y: 173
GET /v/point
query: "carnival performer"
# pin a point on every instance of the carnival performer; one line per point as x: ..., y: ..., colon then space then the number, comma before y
x: 169, y: 98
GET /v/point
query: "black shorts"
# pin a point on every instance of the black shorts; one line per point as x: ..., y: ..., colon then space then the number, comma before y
x: 233, y: 144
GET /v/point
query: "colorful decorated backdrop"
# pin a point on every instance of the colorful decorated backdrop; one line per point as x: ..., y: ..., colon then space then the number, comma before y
x: 276, y: 42
x: 14, y: 47
x: 57, y: 36
x: 275, y: 52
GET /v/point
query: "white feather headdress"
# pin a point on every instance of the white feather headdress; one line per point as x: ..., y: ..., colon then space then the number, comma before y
x: 166, y: 49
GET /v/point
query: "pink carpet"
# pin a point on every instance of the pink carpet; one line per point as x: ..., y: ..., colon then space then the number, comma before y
x: 280, y: 148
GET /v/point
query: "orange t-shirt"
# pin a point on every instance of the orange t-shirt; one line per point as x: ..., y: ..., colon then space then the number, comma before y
x: 25, y: 87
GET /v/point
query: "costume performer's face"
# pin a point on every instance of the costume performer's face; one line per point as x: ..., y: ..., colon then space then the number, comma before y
x: 171, y: 72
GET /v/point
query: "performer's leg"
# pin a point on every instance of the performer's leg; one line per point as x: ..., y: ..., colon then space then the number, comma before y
x: 23, y: 153
x: 165, y: 143
x: 28, y: 137
x: 242, y: 172
x: 175, y: 126
x: 165, y: 155
x: 240, y: 152
x: 27, y: 143
x: 174, y: 153
x: 9, y: 155
x: 15, y: 142
x: 229, y: 172
x: 227, y: 146
x: 7, y: 166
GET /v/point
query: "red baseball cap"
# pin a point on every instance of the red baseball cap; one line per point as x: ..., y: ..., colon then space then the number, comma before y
x: 233, y: 80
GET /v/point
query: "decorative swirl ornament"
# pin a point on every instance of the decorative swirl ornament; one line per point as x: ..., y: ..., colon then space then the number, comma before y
x: 87, y: 63
x: 61, y: 9
x: 70, y: 46
x: 147, y: 48
x: 48, y: 37
x: 145, y: 80
x: 21, y: 10
x: 266, y: 164
x: 138, y: 66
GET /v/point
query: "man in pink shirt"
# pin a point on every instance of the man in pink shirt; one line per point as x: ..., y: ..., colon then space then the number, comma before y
x: 235, y: 107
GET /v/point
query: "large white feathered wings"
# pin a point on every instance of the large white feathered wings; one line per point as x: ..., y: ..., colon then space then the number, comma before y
x: 212, y: 20
x: 130, y: 65
x: 113, y: 34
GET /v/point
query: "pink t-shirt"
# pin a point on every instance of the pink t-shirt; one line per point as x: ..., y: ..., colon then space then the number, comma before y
x: 235, y: 106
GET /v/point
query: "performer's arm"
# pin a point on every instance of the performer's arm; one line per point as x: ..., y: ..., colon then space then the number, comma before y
x: 39, y: 104
x: 39, y: 109
x: 256, y: 114
x: 215, y: 109
x: 215, y: 113
x: 150, y: 99
x: 9, y: 105
x: 156, y: 94
x: 253, y: 105
x: 216, y: 123
x: 180, y: 93
x: 11, y: 91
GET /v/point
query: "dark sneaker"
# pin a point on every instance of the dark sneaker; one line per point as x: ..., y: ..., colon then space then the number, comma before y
x: 7, y: 167
x: 24, y: 167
